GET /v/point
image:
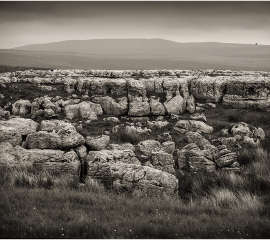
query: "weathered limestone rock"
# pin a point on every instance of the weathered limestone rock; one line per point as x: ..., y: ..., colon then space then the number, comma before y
x: 226, y: 157
x: 123, y: 146
x: 49, y: 113
x: 198, y: 117
x: 72, y: 111
x: 69, y: 102
x: 122, y: 169
x: 98, y: 143
x: 146, y: 179
x: 22, y: 125
x: 175, y: 105
x: 21, y: 107
x: 136, y: 89
x: 56, y: 126
x: 34, y: 107
x: 163, y: 161
x: 43, y: 140
x: 10, y: 135
x: 192, y: 125
x: 13, y: 157
x: 156, y: 106
x: 171, y: 88
x: 157, y: 124
x: 53, y: 135
x: 147, y: 147
x: 117, y: 87
x: 248, y: 92
x: 194, y: 158
x: 86, y: 112
x: 55, y: 161
x: 164, y: 137
x: 191, y: 104
x: 111, y: 120
x: 47, y: 104
x: 110, y: 106
x: 139, y: 108
x: 168, y: 147
x: 197, y: 138
x: 208, y: 88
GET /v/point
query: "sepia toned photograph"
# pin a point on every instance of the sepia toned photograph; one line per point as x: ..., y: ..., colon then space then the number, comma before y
x: 135, y: 119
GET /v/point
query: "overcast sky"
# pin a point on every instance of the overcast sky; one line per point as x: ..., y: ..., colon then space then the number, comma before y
x: 23, y: 23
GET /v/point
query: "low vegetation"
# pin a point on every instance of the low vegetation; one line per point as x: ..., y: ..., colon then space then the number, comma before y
x: 218, y: 205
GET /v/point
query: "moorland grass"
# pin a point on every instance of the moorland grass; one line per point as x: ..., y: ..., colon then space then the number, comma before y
x: 217, y: 205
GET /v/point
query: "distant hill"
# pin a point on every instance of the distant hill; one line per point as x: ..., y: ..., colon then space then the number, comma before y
x: 138, y: 54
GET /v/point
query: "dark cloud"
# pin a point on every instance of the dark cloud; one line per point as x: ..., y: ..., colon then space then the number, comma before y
x: 35, y: 22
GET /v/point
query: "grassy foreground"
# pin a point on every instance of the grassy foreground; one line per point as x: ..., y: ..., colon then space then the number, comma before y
x: 211, y: 206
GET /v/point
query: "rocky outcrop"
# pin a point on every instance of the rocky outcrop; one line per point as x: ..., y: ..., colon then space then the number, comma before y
x: 198, y: 117
x: 98, y: 143
x: 53, y: 135
x: 13, y: 157
x: 208, y: 88
x: 21, y: 107
x: 192, y: 125
x: 156, y: 106
x: 138, y: 107
x: 163, y: 161
x: 23, y: 125
x: 248, y: 92
x: 208, y: 159
x: 175, y: 105
x: 42, y: 160
x: 122, y: 170
x: 55, y: 161
x: 86, y: 110
x: 110, y: 106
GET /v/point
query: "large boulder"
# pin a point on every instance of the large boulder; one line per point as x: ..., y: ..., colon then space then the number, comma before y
x: 226, y: 157
x: 21, y: 107
x: 175, y: 105
x: 13, y: 157
x: 193, y: 125
x: 197, y: 138
x: 22, y: 125
x: 56, y: 126
x: 98, y: 143
x: 163, y: 161
x: 53, y: 135
x: 146, y: 147
x: 86, y: 110
x: 10, y: 135
x: 110, y: 106
x: 139, y: 108
x: 207, y: 159
x: 198, y: 117
x: 156, y: 107
x: 191, y: 104
x: 248, y: 92
x: 208, y: 88
x: 136, y: 89
x: 171, y: 88
x: 122, y: 170
x: 146, y: 179
x: 193, y: 158
x: 55, y: 161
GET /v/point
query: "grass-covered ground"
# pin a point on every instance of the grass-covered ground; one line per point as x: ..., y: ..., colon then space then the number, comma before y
x: 216, y: 205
